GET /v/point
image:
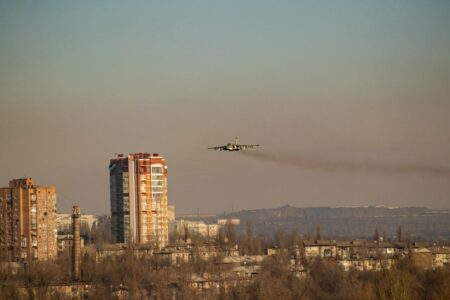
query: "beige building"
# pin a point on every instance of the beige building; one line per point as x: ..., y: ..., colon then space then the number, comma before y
x: 170, y: 213
x: 228, y: 221
x: 115, y: 251
x: 64, y: 222
x: 441, y: 256
x: 65, y: 243
x: 319, y: 249
x: 138, y: 192
x: 186, y: 228
x: 359, y: 254
x: 366, y: 264
x: 27, y: 221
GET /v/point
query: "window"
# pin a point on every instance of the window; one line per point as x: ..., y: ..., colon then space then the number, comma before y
x: 156, y: 169
x: 157, y: 196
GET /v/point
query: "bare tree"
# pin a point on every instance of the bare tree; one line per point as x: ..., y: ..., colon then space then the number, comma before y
x: 230, y: 234
x: 376, y: 235
x: 399, y: 233
x: 281, y: 238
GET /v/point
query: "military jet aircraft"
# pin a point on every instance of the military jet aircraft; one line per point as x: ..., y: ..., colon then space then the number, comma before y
x: 233, y: 147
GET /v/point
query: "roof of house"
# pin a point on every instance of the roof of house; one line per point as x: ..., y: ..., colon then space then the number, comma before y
x: 440, y: 250
x: 422, y: 250
x: 318, y: 243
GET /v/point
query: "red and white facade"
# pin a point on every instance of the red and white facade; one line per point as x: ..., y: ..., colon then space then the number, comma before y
x: 138, y: 190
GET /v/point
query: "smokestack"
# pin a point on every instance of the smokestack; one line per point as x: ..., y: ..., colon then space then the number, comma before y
x: 76, y: 250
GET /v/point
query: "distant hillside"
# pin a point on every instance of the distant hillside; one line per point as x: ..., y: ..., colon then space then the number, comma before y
x: 350, y: 222
x: 286, y: 212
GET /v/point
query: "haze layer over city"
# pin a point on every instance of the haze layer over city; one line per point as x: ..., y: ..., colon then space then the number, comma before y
x: 349, y: 100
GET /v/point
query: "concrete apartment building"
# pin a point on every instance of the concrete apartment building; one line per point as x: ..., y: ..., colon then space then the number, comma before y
x: 138, y: 191
x: 171, y: 213
x: 27, y: 221
x: 186, y: 228
x: 64, y: 222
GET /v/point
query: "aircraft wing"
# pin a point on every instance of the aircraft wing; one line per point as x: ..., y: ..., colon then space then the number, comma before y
x: 249, y: 146
x: 218, y: 148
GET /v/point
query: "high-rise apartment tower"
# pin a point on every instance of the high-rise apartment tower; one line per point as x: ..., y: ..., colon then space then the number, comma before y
x: 27, y: 221
x: 138, y: 190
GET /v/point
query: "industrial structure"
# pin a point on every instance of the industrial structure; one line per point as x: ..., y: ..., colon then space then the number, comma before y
x: 76, y: 245
x: 27, y: 221
x: 138, y: 191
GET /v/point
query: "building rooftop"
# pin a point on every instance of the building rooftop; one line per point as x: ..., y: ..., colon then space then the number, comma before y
x: 319, y: 243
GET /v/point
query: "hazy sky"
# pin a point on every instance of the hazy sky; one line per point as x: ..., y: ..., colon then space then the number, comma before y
x: 354, y: 81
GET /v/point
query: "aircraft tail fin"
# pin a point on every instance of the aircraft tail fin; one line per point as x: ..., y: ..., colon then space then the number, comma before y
x: 236, y: 140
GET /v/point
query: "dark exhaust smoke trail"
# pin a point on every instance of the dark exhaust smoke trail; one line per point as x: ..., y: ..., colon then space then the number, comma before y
x: 304, y: 162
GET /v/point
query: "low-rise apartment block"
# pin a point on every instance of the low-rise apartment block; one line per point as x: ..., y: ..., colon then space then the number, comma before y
x: 64, y: 222
x: 184, y: 229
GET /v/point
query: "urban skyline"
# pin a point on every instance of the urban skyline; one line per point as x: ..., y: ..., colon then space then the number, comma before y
x: 119, y: 126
